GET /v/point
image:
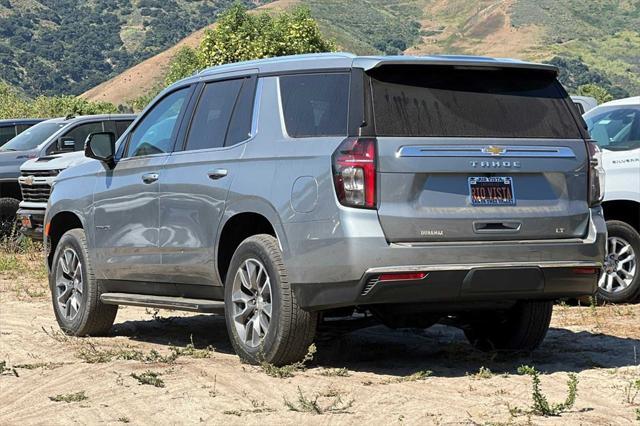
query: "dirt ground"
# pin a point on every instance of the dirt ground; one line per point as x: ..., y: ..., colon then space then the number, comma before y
x: 186, y: 372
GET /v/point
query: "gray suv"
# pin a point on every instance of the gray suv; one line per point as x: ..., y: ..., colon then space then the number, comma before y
x: 290, y: 190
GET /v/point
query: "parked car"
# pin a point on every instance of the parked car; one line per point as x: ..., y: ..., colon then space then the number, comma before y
x: 584, y: 103
x: 45, y: 141
x: 300, y: 188
x: 37, y: 176
x: 9, y: 129
x: 615, y: 127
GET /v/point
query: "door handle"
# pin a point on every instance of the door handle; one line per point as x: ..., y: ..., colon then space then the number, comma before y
x: 150, y: 177
x: 218, y: 173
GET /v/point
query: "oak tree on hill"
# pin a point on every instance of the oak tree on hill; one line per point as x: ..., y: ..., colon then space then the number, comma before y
x: 240, y: 36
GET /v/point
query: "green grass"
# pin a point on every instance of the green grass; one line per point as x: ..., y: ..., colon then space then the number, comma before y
x: 313, y: 405
x: 541, y: 405
x: 70, y: 397
x: 149, y: 378
x: 286, y: 371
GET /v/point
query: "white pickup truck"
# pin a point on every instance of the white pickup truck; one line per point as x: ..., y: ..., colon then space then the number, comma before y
x: 37, y: 175
x: 615, y: 126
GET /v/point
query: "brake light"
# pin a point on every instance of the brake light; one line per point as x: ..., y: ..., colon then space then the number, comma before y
x: 596, y: 174
x: 354, y: 172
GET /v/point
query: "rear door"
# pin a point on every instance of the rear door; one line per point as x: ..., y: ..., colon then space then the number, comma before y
x: 470, y: 154
x: 195, y: 180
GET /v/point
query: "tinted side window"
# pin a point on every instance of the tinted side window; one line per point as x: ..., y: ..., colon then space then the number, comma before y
x: 154, y: 134
x: 240, y: 126
x: 6, y: 134
x: 121, y: 126
x: 79, y: 133
x: 211, y: 117
x: 315, y: 104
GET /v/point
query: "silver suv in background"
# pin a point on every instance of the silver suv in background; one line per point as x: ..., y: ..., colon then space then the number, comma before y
x: 288, y: 190
x: 37, y: 175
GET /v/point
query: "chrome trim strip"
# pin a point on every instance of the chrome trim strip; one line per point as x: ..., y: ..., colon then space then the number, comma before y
x: 469, y: 266
x: 495, y: 243
x: 481, y: 151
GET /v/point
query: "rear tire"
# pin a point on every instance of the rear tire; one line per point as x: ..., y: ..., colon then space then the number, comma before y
x: 8, y: 210
x: 284, y: 336
x: 75, y: 292
x: 622, y: 259
x: 522, y: 328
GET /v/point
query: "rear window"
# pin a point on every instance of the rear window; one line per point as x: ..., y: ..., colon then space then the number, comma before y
x: 7, y: 133
x: 443, y: 101
x: 315, y: 104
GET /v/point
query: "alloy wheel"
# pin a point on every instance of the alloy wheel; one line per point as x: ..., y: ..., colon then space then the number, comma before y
x: 620, y: 266
x: 252, y: 303
x: 69, y: 284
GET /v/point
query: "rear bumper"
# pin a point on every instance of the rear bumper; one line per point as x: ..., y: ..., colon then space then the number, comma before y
x: 36, y: 216
x: 332, y: 265
x: 461, y: 283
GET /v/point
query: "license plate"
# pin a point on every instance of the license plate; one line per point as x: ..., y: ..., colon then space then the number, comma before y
x: 491, y: 191
x: 26, y: 221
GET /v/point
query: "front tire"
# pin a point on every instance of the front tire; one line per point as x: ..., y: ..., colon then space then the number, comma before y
x: 75, y: 291
x: 264, y: 321
x: 522, y: 328
x: 620, y: 279
x: 8, y: 221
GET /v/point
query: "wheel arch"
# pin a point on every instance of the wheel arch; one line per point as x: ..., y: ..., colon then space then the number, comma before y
x: 239, y: 223
x: 56, y: 227
x: 627, y: 211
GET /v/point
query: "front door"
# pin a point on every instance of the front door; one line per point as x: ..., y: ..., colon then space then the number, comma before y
x: 126, y: 202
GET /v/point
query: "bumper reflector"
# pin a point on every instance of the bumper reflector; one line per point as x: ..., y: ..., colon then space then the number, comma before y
x: 585, y: 271
x: 403, y: 276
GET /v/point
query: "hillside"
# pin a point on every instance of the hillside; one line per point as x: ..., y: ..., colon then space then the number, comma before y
x: 117, y: 50
x: 145, y: 76
x: 593, y: 41
x: 65, y: 46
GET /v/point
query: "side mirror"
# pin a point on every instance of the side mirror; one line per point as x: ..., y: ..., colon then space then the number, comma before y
x: 66, y: 144
x: 101, y: 146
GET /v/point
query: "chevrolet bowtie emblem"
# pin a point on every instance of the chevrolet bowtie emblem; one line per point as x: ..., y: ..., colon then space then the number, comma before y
x: 494, y: 150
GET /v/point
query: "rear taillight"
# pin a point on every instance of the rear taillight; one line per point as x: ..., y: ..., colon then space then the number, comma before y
x: 596, y: 174
x: 354, y: 172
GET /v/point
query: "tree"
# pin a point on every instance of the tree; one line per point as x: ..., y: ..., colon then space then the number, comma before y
x: 599, y: 93
x: 240, y: 36
x: 183, y: 64
x: 14, y: 104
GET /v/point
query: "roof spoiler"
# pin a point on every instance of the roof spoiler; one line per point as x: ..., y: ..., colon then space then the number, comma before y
x: 369, y: 63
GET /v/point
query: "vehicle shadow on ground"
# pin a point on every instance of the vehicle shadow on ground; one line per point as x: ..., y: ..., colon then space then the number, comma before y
x: 380, y: 350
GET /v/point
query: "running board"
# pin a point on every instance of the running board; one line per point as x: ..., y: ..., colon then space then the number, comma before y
x: 163, y: 302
